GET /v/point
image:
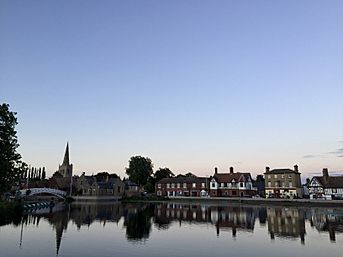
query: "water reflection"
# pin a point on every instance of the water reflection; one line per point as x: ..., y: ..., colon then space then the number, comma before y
x: 327, y: 220
x: 137, y: 220
x: 286, y: 222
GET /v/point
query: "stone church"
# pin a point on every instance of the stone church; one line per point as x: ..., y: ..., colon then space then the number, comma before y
x: 66, y: 168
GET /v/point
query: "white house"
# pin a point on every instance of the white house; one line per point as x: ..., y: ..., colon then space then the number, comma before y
x: 327, y: 187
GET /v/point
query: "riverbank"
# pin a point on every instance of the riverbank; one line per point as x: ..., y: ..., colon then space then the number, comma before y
x: 10, y: 212
x: 262, y: 201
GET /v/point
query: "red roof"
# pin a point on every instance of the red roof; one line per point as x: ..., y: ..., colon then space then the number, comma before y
x: 229, y: 177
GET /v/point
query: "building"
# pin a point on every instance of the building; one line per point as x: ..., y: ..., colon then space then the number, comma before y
x: 183, y: 186
x: 232, y: 184
x: 91, y: 186
x: 66, y: 169
x: 326, y: 186
x: 283, y: 183
x: 132, y: 188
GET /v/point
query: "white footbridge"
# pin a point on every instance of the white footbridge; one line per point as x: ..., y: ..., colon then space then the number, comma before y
x: 43, y: 190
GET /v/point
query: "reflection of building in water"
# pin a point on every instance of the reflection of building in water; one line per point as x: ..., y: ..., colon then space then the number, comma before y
x: 86, y: 214
x: 225, y: 218
x: 327, y: 220
x: 81, y: 214
x: 286, y: 222
x: 165, y: 213
x: 233, y: 218
x: 58, y: 220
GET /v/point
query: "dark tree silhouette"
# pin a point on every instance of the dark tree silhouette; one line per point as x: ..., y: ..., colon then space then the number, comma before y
x: 11, y: 165
x: 139, y: 170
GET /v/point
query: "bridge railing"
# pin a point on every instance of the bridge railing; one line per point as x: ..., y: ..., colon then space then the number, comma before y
x: 34, y: 191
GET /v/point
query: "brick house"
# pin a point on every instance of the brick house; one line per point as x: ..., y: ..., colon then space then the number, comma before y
x: 182, y: 186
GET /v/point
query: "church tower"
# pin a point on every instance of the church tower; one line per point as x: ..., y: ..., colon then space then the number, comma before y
x: 66, y: 169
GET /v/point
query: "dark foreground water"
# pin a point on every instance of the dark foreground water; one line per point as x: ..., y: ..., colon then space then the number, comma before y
x: 173, y: 229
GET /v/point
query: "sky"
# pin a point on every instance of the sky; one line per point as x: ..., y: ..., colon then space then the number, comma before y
x: 191, y: 84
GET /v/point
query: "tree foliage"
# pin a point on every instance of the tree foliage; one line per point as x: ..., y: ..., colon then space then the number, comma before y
x: 139, y: 170
x: 163, y: 173
x: 11, y: 165
x: 187, y: 175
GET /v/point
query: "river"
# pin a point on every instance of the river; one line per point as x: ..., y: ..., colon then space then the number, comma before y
x: 174, y: 229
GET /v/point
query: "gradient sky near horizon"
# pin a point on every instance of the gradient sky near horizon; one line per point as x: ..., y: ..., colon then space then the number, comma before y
x: 191, y: 84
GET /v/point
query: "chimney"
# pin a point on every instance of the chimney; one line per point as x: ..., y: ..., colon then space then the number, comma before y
x: 267, y: 169
x: 296, y: 168
x: 231, y: 169
x: 325, y: 175
x: 215, y: 170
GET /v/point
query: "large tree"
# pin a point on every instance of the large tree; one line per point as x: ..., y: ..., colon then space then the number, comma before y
x: 139, y: 170
x: 163, y: 173
x: 11, y: 165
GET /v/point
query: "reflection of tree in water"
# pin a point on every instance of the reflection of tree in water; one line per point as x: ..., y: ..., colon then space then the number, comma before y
x: 138, y: 221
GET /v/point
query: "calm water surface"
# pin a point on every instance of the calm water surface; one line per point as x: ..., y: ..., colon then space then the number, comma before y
x: 174, y: 229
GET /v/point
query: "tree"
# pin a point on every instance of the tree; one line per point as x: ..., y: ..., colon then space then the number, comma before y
x: 163, y: 173
x: 11, y: 165
x: 57, y: 175
x: 139, y: 170
x: 188, y: 175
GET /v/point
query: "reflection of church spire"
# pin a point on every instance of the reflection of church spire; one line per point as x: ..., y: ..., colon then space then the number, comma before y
x: 59, y: 233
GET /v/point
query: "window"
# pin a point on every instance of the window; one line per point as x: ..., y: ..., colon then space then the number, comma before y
x: 194, y: 185
x: 178, y: 185
x: 275, y: 176
x: 290, y: 176
x: 222, y: 184
x: 159, y: 193
x: 282, y: 176
x: 168, y: 185
x: 213, y: 184
x: 202, y: 185
x: 173, y: 185
x: 159, y: 185
x: 184, y: 185
x: 241, y: 184
x: 269, y: 176
x: 269, y: 184
x: 290, y: 184
x: 334, y: 190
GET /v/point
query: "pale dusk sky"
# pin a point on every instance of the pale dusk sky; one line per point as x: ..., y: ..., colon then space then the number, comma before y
x: 192, y: 85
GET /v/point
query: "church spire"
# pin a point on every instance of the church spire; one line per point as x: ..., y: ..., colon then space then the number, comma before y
x: 66, y: 156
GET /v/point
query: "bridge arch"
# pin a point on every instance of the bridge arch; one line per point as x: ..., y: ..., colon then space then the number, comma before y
x: 36, y: 191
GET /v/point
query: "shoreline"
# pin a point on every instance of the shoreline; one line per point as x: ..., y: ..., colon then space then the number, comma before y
x: 263, y: 201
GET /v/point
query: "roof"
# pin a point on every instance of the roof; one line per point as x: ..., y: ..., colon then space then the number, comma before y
x: 229, y: 177
x: 281, y: 171
x: 110, y: 183
x: 183, y: 180
x: 66, y: 156
x: 333, y: 182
